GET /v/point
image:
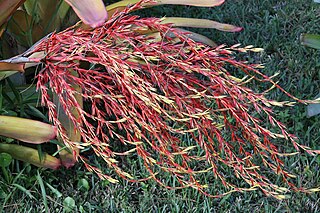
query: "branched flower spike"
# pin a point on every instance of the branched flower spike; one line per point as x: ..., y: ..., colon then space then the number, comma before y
x: 172, y: 101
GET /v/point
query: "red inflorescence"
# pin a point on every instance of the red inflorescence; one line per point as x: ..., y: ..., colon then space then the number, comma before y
x: 170, y: 100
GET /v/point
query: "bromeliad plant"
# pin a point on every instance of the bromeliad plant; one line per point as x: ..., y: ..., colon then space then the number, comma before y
x: 166, y: 95
x: 36, y: 18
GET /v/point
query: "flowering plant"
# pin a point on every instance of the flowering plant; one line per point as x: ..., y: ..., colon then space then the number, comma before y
x: 148, y: 87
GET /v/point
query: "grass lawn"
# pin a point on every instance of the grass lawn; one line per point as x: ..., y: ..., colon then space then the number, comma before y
x: 271, y: 24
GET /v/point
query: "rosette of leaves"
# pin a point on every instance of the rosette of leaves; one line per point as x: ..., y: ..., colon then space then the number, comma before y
x: 165, y: 94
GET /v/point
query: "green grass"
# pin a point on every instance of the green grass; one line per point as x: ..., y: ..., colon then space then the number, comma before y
x: 271, y: 24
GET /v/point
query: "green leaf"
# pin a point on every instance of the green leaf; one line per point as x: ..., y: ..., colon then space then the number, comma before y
x: 47, y: 13
x: 5, y: 159
x: 41, y: 154
x: 31, y: 110
x: 13, y: 88
x: 69, y: 204
x: 63, y: 10
x: 83, y: 184
x: 54, y: 190
x: 24, y: 28
x: 3, y: 194
x: 310, y: 40
x: 5, y: 74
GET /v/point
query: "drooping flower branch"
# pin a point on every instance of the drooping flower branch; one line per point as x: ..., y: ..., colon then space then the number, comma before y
x: 171, y: 100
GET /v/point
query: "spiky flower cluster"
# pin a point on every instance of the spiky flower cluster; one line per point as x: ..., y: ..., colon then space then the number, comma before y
x: 170, y: 100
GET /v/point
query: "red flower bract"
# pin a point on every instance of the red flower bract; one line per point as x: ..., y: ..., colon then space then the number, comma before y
x: 172, y: 101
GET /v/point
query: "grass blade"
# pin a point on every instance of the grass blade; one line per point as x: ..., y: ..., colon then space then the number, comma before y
x: 54, y: 190
x: 43, y: 191
x: 24, y: 190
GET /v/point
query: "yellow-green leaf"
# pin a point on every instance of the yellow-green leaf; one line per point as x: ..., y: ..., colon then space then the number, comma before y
x: 30, y: 155
x: 200, y: 3
x: 200, y: 23
x: 26, y: 130
x: 63, y: 10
